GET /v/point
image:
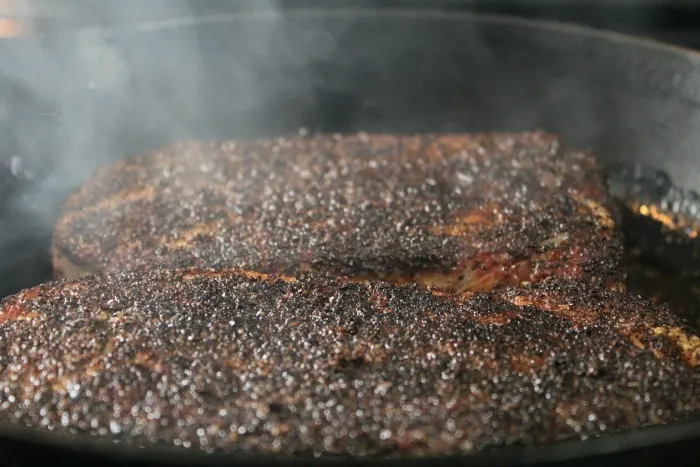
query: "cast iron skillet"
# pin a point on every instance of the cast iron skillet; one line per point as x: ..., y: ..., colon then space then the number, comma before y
x: 97, y: 96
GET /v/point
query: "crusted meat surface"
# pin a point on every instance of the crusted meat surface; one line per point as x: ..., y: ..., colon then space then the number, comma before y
x: 459, y: 212
x: 240, y: 361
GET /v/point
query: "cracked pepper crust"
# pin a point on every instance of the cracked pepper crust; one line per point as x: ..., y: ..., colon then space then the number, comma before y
x: 458, y: 212
x: 242, y: 361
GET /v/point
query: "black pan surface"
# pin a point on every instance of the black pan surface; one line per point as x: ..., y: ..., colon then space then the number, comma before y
x: 70, y: 102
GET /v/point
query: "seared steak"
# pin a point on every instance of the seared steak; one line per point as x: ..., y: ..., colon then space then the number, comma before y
x: 234, y: 360
x: 460, y: 212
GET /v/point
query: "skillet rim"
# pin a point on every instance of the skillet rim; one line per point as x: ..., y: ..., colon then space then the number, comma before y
x: 689, y: 94
x: 257, y: 12
x: 523, y: 455
x: 646, y: 437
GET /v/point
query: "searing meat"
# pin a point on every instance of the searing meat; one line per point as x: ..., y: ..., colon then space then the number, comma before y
x: 459, y: 212
x: 235, y: 360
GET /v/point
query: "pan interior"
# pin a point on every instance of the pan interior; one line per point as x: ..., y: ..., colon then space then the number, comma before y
x: 661, y: 225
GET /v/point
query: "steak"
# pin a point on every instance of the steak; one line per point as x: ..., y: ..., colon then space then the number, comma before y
x: 458, y: 212
x: 246, y: 362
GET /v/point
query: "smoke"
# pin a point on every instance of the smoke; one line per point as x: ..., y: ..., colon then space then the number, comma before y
x: 64, y: 102
x: 78, y: 100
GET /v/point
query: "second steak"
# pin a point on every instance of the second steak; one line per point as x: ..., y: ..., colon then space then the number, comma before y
x: 459, y: 212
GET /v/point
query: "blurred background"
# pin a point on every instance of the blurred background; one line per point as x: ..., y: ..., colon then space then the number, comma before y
x: 675, y: 21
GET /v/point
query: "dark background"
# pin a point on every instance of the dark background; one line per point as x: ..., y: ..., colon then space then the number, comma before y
x: 675, y: 21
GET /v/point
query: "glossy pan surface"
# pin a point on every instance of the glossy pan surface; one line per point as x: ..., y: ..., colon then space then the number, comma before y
x: 109, y: 94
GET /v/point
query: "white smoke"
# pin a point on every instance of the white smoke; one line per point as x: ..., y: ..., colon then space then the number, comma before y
x: 95, y: 94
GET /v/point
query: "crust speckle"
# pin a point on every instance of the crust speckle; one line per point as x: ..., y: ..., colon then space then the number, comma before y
x: 248, y: 362
x: 464, y: 212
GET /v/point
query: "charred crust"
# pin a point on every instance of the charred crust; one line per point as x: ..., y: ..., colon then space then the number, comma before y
x: 357, y: 205
x: 240, y: 361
